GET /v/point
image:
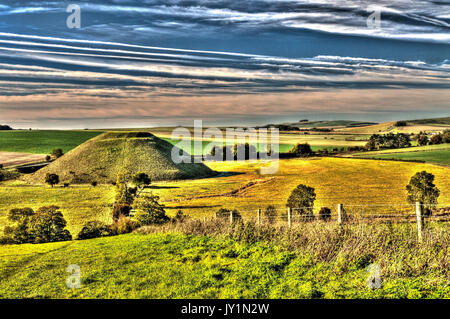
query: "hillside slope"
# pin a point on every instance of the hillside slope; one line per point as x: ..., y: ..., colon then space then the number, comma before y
x: 103, y: 157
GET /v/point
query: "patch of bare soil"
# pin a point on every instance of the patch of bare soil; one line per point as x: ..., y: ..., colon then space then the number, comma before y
x: 12, y: 158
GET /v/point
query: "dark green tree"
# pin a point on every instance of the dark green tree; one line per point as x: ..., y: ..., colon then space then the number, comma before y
x: 422, y: 189
x: 422, y: 139
x: 17, y: 229
x: 149, y: 210
x: 141, y: 180
x: 47, y: 225
x: 301, y: 200
x: 301, y: 150
x: 51, y: 179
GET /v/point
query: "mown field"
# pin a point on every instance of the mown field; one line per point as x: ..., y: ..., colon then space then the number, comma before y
x: 43, y: 141
x: 78, y: 204
x: 438, y: 154
x: 352, y: 182
x: 190, y: 266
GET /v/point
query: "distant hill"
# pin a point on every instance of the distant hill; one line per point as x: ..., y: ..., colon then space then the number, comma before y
x: 433, y: 121
x: 100, y: 159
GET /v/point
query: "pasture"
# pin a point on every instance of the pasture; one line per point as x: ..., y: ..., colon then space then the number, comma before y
x: 43, y: 141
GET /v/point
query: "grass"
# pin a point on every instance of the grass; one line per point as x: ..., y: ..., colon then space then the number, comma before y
x: 437, y: 154
x: 43, y: 142
x: 182, y: 265
x: 78, y: 204
x: 336, y: 180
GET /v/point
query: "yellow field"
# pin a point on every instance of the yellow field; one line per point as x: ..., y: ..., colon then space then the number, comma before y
x: 336, y: 180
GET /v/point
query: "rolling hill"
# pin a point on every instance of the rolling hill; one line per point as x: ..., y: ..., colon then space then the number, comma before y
x: 103, y: 157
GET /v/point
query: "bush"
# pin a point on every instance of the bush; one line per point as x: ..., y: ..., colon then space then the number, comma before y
x: 180, y: 217
x: 270, y: 214
x: 57, y: 152
x: 120, y: 209
x: 436, y: 139
x: 123, y: 225
x: 422, y: 139
x: 51, y: 179
x: 224, y: 213
x: 48, y: 158
x: 325, y: 214
x: 149, y: 211
x: 141, y: 180
x: 400, y: 123
x: 94, y: 183
x: 94, y: 229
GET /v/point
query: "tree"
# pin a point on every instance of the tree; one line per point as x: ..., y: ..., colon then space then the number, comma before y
x: 57, y: 152
x: 47, y: 225
x: 51, y: 179
x: 141, y: 180
x: 17, y: 230
x: 422, y: 139
x: 302, y: 200
x: 149, y: 210
x: 301, y: 150
x: 123, y: 195
x: 446, y: 136
x: 422, y: 189
x: 400, y: 123
x: 244, y: 151
x: 48, y: 158
x: 436, y: 139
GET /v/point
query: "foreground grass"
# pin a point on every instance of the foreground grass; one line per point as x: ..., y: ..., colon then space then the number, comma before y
x: 176, y: 265
x: 43, y: 142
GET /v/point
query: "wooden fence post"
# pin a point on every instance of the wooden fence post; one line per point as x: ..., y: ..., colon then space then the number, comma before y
x: 419, y: 214
x: 231, y: 217
x: 259, y: 216
x: 289, y: 217
x: 340, y: 211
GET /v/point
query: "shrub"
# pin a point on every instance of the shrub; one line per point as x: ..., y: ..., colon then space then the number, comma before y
x: 180, y: 217
x: 224, y: 213
x: 446, y: 136
x: 47, y: 225
x: 149, y: 211
x: 400, y: 123
x: 325, y: 214
x: 51, y: 179
x: 94, y: 229
x: 120, y: 209
x: 422, y: 189
x: 302, y: 200
x: 422, y: 139
x: 48, y: 158
x: 57, y: 152
x: 123, y: 225
x: 94, y: 183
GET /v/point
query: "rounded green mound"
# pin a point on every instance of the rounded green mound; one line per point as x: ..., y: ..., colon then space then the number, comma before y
x: 102, y: 158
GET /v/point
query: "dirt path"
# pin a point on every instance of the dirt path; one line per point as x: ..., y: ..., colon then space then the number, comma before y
x: 13, y: 158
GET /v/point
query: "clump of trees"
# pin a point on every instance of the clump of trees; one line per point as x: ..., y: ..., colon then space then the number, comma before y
x: 236, y: 152
x: 301, y: 201
x: 390, y: 140
x: 47, y: 224
x: 400, y: 123
x: 422, y: 189
x: 5, y: 128
x: 301, y: 150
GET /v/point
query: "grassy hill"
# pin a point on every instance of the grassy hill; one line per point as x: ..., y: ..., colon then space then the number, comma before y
x: 189, y: 266
x: 102, y: 158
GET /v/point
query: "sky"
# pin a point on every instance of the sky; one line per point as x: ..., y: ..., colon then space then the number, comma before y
x: 226, y: 62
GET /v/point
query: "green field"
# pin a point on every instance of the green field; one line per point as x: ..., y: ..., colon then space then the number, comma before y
x: 43, y: 142
x: 437, y: 154
x: 186, y: 266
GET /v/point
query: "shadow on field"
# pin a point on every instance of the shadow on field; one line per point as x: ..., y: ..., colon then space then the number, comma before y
x: 161, y: 187
x: 193, y: 206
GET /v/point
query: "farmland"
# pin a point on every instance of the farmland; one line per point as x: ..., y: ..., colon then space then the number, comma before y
x: 42, y: 141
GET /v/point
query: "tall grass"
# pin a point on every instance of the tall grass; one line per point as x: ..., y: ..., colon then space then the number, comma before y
x: 394, y: 247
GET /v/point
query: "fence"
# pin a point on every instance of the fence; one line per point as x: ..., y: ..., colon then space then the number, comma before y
x: 348, y: 214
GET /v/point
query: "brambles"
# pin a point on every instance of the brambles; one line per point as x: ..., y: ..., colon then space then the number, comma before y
x: 51, y: 179
x: 422, y: 189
